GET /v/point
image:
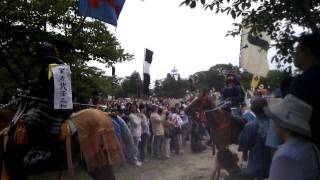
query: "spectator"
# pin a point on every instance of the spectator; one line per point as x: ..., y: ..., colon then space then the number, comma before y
x: 247, y: 115
x: 253, y: 139
x: 273, y: 140
x: 175, y: 131
x: 305, y: 86
x: 185, y: 127
x: 298, y: 157
x: 168, y: 124
x: 158, y: 132
x: 145, y: 131
x: 135, y: 124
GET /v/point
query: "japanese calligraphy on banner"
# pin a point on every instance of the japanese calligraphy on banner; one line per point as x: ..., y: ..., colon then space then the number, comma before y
x: 62, y: 87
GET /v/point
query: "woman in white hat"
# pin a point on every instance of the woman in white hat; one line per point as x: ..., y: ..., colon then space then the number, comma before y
x: 298, y: 157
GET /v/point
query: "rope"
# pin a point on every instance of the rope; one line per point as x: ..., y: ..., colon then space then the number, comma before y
x: 9, y: 103
x: 4, y: 133
x: 22, y: 107
x: 47, y: 100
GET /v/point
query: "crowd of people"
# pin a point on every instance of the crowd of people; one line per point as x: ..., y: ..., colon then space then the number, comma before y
x: 280, y: 140
x: 158, y: 127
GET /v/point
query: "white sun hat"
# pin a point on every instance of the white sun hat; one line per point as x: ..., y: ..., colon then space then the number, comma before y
x: 291, y: 113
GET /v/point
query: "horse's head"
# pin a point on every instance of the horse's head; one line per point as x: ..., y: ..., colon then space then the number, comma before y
x: 191, y: 108
x: 202, y: 104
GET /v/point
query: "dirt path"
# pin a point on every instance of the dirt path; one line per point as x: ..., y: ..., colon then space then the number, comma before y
x: 187, y: 166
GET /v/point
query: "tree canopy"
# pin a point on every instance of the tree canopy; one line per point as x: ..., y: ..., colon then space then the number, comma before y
x: 171, y: 87
x: 213, y: 78
x: 87, y: 81
x: 131, y: 86
x: 25, y: 24
x: 279, y: 18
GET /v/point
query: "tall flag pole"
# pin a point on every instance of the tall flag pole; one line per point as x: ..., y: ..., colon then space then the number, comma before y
x: 103, y: 10
x: 146, y: 71
x: 254, y: 51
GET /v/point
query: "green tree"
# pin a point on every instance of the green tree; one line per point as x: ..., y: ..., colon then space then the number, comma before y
x: 279, y: 18
x: 25, y: 24
x: 272, y: 80
x: 95, y: 82
x: 157, y: 88
x: 214, y: 77
x: 131, y: 86
x: 171, y: 87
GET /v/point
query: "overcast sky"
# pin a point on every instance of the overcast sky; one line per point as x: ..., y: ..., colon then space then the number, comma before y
x: 190, y: 39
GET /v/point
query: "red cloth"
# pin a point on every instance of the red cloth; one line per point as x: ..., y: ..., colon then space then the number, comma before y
x: 201, y: 116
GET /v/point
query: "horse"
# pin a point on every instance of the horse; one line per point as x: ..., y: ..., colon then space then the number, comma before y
x: 219, y: 121
x: 89, y: 132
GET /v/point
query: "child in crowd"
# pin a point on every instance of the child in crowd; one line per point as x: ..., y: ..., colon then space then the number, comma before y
x: 252, y: 140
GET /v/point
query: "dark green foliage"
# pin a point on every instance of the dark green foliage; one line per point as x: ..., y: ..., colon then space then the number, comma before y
x: 89, y: 80
x: 131, y: 86
x: 171, y: 87
x: 272, y: 80
x: 26, y: 23
x: 214, y: 78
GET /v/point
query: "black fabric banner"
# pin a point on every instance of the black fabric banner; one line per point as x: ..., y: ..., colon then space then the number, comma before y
x: 146, y: 83
x: 146, y: 71
x: 113, y: 71
x: 148, y: 56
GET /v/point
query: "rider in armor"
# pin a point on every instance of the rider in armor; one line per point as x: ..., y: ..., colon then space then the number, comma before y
x: 232, y: 90
x: 40, y: 123
x: 44, y: 89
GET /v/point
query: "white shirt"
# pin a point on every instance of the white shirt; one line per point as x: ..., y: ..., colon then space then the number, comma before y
x: 135, y: 125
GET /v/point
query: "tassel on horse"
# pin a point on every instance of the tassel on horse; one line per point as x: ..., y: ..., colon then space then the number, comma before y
x: 21, y: 134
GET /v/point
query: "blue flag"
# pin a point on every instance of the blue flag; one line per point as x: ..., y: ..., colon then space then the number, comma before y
x: 104, y: 10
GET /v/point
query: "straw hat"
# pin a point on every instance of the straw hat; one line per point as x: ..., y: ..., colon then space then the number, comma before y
x: 291, y: 113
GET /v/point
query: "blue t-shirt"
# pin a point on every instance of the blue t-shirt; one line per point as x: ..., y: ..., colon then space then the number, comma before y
x: 297, y: 159
x: 273, y: 140
x: 252, y: 139
x: 117, y: 128
x: 248, y: 116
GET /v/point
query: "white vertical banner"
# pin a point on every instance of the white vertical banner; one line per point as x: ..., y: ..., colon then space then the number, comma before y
x: 62, y: 87
x: 254, y: 51
x: 146, y: 67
